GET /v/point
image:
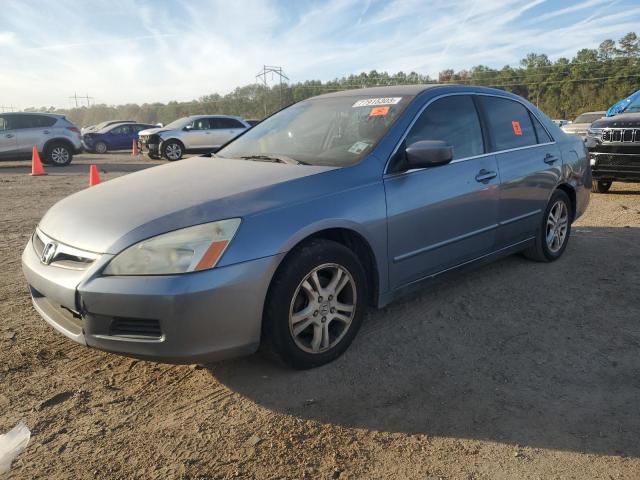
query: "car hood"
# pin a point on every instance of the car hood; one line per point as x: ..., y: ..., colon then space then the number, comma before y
x: 622, y: 120
x: 151, y: 131
x: 113, y: 215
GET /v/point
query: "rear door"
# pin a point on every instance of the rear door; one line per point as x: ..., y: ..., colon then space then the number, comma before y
x: 529, y: 164
x: 33, y: 130
x: 226, y: 129
x: 443, y: 216
x: 8, y: 141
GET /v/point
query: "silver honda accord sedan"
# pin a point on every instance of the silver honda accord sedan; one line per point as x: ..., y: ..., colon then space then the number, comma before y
x: 286, y: 235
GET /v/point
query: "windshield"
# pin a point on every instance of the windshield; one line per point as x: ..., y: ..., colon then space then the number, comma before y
x: 588, y: 117
x: 179, y: 123
x: 333, y: 131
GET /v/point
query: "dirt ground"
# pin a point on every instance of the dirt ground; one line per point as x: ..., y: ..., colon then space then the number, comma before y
x: 515, y: 370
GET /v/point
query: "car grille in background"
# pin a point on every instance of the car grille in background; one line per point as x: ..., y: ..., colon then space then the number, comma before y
x: 605, y: 160
x: 621, y: 135
x: 136, y: 327
x: 65, y: 256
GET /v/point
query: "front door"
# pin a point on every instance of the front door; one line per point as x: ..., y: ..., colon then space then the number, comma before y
x: 33, y: 130
x: 199, y: 136
x: 443, y: 216
x: 529, y: 163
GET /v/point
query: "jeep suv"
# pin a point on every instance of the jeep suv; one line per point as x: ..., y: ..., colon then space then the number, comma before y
x: 56, y: 139
x: 614, y: 150
x: 193, y: 134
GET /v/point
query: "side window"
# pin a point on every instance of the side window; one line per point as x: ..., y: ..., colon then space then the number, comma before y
x: 454, y: 120
x: 509, y: 122
x: 121, y: 130
x: 541, y: 133
x: 3, y: 124
x: 24, y: 121
x: 42, y: 121
x: 228, y: 123
x: 201, y: 124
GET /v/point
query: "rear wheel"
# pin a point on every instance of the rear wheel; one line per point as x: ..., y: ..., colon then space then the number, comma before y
x: 600, y: 186
x: 553, y: 233
x: 315, y: 304
x: 172, y: 150
x: 100, y: 147
x: 58, y: 154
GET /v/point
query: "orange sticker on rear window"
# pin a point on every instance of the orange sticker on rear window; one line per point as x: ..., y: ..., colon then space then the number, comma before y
x: 516, y: 128
x: 379, y: 111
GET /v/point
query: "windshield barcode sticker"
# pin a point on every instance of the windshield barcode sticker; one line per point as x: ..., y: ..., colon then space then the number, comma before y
x: 374, y: 102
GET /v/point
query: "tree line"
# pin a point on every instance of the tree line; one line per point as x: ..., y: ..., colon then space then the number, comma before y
x: 593, y: 79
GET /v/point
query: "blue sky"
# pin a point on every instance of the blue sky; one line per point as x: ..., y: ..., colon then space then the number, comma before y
x: 121, y: 51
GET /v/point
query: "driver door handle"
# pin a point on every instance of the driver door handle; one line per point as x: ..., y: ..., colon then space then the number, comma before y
x: 550, y: 159
x: 485, y: 175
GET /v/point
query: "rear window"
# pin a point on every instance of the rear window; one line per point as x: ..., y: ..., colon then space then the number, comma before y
x: 509, y: 122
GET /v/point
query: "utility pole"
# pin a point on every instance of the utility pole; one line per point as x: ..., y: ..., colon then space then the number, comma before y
x: 88, y: 100
x: 266, y: 69
x: 75, y: 96
x: 6, y: 108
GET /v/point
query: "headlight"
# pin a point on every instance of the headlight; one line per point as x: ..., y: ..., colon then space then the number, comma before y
x: 187, y: 250
x: 596, y: 132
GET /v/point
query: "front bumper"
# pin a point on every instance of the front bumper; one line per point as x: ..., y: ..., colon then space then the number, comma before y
x: 151, y: 147
x: 191, y: 318
x: 623, y: 167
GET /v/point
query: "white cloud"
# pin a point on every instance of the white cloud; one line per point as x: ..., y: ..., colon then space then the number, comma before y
x: 141, y: 50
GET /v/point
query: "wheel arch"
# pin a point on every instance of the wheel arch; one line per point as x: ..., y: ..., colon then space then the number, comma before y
x: 53, y: 141
x: 350, y: 238
x: 571, y: 193
x: 172, y: 139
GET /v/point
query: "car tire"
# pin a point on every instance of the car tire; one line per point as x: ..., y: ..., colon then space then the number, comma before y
x: 600, y: 186
x: 58, y: 154
x: 100, y: 147
x: 553, y: 233
x: 172, y: 150
x: 315, y: 304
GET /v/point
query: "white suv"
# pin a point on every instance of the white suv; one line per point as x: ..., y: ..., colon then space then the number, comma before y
x: 193, y: 134
x: 56, y: 138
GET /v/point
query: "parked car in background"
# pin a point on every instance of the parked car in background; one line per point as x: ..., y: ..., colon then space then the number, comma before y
x: 100, y: 126
x: 289, y: 232
x: 56, y: 138
x: 582, y: 123
x: 193, y: 134
x: 561, y: 122
x: 614, y: 149
x: 119, y: 136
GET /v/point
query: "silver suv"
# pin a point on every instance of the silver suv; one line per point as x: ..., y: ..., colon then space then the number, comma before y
x: 193, y: 134
x: 56, y: 138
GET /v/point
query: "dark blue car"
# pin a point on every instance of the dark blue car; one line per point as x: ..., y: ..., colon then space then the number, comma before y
x: 113, y: 137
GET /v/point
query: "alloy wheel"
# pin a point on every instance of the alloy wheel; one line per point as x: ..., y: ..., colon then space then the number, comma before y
x: 60, y: 155
x: 173, y: 151
x: 322, y: 308
x: 557, y: 226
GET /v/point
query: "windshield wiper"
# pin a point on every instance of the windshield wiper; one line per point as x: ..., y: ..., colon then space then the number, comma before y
x: 274, y: 158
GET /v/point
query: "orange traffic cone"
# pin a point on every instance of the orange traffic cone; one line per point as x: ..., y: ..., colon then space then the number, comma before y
x: 36, y: 164
x: 94, y: 176
x: 134, y: 149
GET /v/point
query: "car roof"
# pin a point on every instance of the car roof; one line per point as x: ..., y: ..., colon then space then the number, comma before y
x: 214, y: 116
x: 55, y: 115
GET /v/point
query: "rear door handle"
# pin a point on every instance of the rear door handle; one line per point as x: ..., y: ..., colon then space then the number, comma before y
x: 550, y: 159
x: 485, y: 175
x: 9, y: 135
x: 46, y: 132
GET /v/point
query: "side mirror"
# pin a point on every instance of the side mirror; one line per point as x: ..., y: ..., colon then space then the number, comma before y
x: 428, y: 153
x: 187, y: 128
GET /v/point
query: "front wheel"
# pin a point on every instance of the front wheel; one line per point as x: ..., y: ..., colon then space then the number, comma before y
x: 172, y: 151
x: 600, y: 186
x: 100, y: 148
x: 315, y: 304
x: 553, y: 234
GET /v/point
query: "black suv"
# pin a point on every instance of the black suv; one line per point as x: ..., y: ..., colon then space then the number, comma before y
x: 614, y: 150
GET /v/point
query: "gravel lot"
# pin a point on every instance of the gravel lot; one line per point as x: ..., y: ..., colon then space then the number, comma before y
x: 516, y: 370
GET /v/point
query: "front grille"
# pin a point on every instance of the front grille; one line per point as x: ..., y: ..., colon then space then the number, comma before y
x: 64, y: 256
x: 136, y: 327
x: 621, y: 135
x: 618, y: 160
